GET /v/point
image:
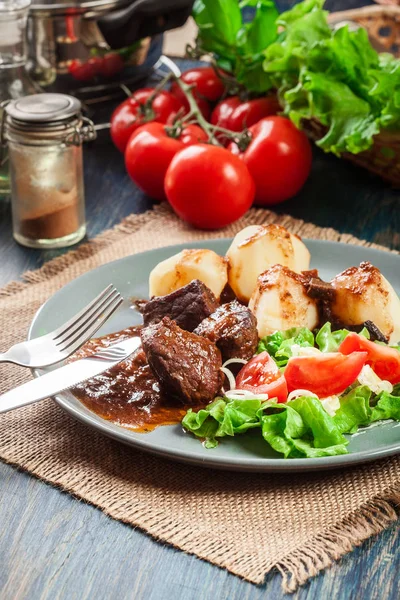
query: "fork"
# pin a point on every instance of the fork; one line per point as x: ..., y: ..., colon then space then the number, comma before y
x: 65, y: 340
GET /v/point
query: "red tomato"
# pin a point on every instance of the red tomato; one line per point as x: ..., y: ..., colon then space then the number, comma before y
x: 128, y: 116
x: 279, y: 159
x: 261, y: 375
x: 324, y: 374
x: 81, y: 71
x: 222, y: 112
x: 150, y: 150
x: 207, y: 86
x: 96, y: 63
x: 111, y: 65
x: 384, y: 361
x: 208, y: 189
x: 250, y: 112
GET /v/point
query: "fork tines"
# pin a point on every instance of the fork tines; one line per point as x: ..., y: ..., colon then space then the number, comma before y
x: 84, y: 324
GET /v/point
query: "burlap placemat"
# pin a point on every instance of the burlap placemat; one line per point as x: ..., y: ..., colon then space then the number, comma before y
x: 246, y: 523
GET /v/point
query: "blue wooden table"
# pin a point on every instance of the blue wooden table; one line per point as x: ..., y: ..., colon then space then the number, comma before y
x: 54, y: 546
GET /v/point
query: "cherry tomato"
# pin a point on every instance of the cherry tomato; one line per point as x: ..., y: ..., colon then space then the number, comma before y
x: 81, y: 71
x: 208, y: 189
x: 250, y: 112
x: 207, y: 86
x: 383, y: 360
x: 278, y: 157
x: 222, y: 112
x: 261, y: 375
x: 96, y: 63
x: 129, y: 115
x: 150, y: 150
x: 112, y: 64
x: 324, y: 374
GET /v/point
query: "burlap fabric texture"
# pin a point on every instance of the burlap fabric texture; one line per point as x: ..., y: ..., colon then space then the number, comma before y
x: 246, y: 523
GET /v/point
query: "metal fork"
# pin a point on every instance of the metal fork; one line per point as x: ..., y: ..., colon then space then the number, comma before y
x: 65, y: 340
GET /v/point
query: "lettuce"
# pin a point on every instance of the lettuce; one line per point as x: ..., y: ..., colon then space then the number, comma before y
x: 300, y: 428
x: 334, y: 77
x: 221, y: 418
x: 387, y: 407
x: 354, y: 410
x: 279, y: 344
x: 329, y: 341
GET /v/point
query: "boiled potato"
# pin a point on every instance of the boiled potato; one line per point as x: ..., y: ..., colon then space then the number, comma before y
x: 279, y: 301
x: 362, y: 294
x: 258, y: 247
x: 180, y: 269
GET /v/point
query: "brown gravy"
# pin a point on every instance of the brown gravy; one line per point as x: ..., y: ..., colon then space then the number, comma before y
x: 128, y: 394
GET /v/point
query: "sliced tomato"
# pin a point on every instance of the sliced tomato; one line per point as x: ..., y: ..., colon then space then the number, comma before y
x: 383, y: 360
x: 261, y: 375
x: 326, y: 374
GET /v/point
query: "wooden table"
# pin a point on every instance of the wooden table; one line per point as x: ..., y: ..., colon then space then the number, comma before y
x: 54, y: 546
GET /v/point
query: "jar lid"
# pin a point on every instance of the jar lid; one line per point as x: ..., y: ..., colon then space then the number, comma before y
x: 43, y: 108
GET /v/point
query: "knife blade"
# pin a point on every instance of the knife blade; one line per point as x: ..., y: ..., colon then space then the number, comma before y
x: 69, y: 375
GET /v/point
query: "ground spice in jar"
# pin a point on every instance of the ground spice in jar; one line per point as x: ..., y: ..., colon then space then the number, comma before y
x: 44, y: 134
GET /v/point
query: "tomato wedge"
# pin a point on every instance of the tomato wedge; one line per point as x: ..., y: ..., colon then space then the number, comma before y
x: 384, y: 361
x: 326, y: 374
x: 261, y: 375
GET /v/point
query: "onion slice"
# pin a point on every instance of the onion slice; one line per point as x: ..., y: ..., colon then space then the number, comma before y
x: 298, y: 393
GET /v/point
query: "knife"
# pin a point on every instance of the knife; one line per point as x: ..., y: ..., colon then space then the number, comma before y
x: 69, y: 375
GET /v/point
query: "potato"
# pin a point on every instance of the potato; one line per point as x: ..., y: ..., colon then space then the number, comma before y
x: 362, y: 294
x: 180, y: 269
x: 258, y: 247
x: 279, y: 301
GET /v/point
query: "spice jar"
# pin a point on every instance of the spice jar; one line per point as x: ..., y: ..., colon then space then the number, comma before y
x: 44, y: 135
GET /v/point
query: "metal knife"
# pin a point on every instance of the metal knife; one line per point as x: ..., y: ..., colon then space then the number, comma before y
x: 69, y: 375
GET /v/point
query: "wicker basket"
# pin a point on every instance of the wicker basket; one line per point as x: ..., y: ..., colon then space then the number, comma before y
x: 383, y: 26
x: 381, y: 22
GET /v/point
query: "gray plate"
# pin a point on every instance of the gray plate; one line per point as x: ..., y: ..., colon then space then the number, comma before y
x: 242, y: 453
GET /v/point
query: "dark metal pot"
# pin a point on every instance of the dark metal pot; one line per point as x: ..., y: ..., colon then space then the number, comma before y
x: 90, y: 47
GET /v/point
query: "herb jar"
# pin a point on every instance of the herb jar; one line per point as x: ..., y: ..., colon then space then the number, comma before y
x: 44, y: 135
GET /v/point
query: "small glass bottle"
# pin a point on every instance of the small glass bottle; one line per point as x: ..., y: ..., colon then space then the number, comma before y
x: 14, y: 80
x: 44, y: 135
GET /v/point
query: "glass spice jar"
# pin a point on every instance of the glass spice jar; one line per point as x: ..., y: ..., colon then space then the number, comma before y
x: 44, y: 135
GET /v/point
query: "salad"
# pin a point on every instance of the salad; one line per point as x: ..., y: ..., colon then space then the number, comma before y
x: 304, y: 390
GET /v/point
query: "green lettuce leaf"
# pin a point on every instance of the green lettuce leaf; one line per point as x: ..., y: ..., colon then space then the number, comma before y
x: 279, y: 344
x: 387, y: 407
x: 301, y: 429
x: 360, y: 408
x: 221, y: 418
x: 333, y: 77
x: 354, y: 410
x: 219, y: 22
x: 329, y: 341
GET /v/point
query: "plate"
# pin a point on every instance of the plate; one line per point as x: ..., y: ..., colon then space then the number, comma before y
x: 241, y: 453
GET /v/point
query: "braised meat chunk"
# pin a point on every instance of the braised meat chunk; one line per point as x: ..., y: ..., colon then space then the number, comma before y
x: 187, y: 306
x: 187, y: 366
x: 233, y: 328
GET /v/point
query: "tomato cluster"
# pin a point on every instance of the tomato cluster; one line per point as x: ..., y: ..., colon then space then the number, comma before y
x: 104, y: 66
x: 208, y: 170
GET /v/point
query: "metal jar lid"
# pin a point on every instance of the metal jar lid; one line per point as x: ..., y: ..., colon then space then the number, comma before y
x: 42, y: 109
x: 42, y: 117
